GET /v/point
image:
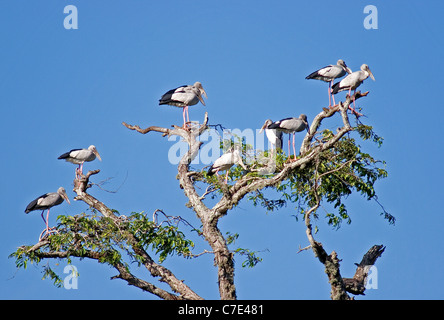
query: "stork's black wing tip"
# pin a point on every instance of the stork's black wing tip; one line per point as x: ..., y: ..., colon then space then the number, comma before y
x: 210, y: 171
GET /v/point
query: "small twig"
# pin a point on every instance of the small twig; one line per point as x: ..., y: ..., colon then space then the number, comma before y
x: 149, y: 129
x: 199, y: 254
x: 100, y: 183
x: 172, y: 219
x: 303, y: 249
x: 209, y: 190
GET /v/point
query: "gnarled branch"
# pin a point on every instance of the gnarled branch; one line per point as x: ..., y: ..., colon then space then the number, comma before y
x: 356, y: 285
x: 155, y: 269
x: 123, y: 271
x: 223, y: 257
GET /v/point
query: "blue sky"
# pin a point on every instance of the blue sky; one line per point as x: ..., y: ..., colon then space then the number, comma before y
x: 62, y: 89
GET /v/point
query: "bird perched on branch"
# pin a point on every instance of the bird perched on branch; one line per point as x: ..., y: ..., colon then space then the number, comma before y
x: 47, y: 201
x: 79, y: 156
x: 273, y: 135
x: 183, y: 97
x: 329, y: 74
x: 225, y: 162
x: 353, y: 81
x: 291, y: 126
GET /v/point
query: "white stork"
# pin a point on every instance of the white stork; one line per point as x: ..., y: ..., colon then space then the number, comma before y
x: 47, y: 201
x: 183, y: 97
x: 291, y: 126
x: 329, y: 74
x: 273, y: 135
x: 353, y: 81
x: 79, y: 156
x: 225, y: 162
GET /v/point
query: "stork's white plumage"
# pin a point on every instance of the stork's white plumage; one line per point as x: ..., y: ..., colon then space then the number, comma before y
x: 273, y: 135
x: 79, y: 156
x: 183, y: 97
x: 329, y: 74
x: 353, y: 81
x: 291, y: 126
x: 225, y: 162
x: 47, y: 201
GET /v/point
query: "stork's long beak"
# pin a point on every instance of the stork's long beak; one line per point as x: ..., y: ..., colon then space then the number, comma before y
x: 308, y: 127
x: 97, y: 155
x: 242, y: 164
x: 202, y: 91
x: 371, y: 75
x: 263, y: 127
x: 348, y: 70
x: 65, y: 196
x: 200, y: 99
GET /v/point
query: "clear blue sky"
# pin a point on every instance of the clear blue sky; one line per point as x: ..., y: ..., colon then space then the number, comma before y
x: 62, y: 89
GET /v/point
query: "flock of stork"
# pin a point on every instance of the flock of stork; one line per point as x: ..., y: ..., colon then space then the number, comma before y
x: 189, y: 95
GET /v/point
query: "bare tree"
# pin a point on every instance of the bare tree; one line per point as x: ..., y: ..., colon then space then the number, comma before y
x: 330, y: 167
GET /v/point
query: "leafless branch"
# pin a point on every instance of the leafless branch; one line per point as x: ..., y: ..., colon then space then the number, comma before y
x: 356, y: 285
x: 199, y: 254
x: 303, y: 249
x: 172, y: 219
x: 208, y: 190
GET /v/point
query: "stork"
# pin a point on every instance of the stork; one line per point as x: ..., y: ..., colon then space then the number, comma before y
x: 225, y: 162
x: 353, y: 81
x: 273, y: 135
x: 79, y: 156
x: 183, y: 97
x: 291, y: 126
x: 329, y: 74
x: 47, y: 201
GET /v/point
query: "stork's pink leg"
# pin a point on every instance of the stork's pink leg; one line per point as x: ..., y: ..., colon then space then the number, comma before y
x: 80, y: 170
x: 289, y: 151
x: 349, y: 94
x: 294, y: 150
x: 329, y: 94
x: 47, y: 220
x: 45, y: 231
x: 183, y: 115
x: 226, y: 177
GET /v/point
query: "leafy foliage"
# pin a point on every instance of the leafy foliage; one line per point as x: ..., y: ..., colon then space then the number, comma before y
x: 101, y: 238
x: 251, y: 256
x: 335, y: 174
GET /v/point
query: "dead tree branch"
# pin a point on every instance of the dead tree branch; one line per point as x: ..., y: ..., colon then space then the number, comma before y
x: 330, y: 261
x: 356, y: 285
